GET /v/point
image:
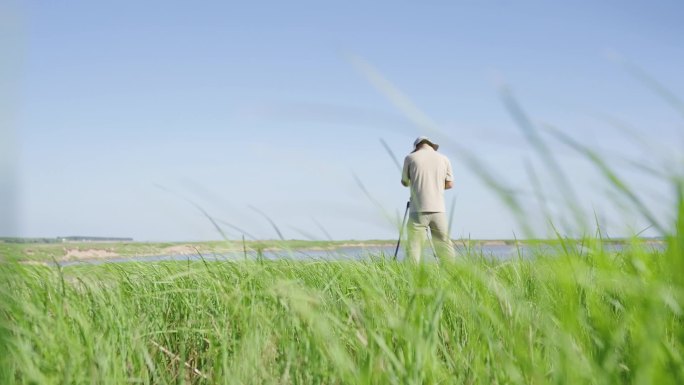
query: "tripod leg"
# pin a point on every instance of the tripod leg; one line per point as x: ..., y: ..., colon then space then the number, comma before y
x: 401, y: 229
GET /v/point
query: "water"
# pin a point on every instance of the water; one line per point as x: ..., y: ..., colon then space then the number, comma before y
x: 492, y: 252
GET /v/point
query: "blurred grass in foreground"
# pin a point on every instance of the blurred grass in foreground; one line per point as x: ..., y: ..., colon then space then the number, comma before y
x: 595, y: 318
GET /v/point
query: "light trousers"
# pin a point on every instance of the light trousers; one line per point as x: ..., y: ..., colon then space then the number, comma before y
x: 418, y: 224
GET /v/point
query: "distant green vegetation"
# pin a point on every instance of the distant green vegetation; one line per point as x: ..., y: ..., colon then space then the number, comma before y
x: 65, y: 251
x: 94, y: 250
x: 63, y: 239
x: 594, y: 318
x: 28, y: 240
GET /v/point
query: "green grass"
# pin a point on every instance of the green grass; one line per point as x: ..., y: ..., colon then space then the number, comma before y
x: 594, y: 318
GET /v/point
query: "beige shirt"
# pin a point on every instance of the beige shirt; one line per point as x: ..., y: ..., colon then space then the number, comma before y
x: 426, y: 171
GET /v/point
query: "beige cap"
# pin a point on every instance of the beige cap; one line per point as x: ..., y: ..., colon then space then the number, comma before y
x: 425, y: 139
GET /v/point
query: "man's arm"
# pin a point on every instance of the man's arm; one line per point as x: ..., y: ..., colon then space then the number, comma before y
x: 449, y: 180
x: 405, y: 177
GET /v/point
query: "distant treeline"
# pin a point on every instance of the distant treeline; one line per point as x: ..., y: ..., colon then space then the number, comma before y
x: 28, y: 240
x: 63, y: 239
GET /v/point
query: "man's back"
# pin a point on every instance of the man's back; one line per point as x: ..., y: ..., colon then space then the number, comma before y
x: 426, y: 171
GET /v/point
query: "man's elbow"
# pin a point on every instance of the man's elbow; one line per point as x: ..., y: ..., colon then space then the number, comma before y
x: 448, y: 185
x: 404, y: 183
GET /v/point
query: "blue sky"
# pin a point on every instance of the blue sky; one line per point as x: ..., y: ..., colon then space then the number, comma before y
x: 239, y: 104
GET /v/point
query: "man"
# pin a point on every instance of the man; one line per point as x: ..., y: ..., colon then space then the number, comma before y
x: 428, y: 173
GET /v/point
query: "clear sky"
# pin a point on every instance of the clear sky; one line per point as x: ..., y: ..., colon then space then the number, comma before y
x: 121, y: 112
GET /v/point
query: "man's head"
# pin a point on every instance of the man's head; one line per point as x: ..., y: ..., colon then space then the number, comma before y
x: 421, y: 140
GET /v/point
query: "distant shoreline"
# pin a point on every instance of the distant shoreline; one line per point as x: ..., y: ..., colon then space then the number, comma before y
x: 96, y: 250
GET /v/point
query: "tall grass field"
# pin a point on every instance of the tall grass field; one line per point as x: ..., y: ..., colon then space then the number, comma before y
x: 584, y: 317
